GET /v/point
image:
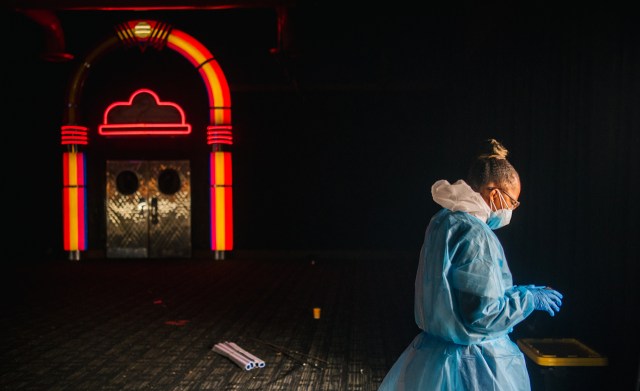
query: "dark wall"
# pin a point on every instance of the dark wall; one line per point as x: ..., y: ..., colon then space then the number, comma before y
x: 337, y: 143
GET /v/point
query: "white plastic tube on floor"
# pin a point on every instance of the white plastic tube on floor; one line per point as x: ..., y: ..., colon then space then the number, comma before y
x: 253, y: 358
x: 242, y: 361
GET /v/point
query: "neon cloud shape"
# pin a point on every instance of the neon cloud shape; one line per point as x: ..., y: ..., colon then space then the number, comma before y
x: 144, y: 115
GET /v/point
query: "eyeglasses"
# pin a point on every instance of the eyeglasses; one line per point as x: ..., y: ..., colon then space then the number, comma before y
x: 514, y: 203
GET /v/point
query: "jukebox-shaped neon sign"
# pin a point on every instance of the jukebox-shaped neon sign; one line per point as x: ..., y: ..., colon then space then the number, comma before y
x: 146, y: 34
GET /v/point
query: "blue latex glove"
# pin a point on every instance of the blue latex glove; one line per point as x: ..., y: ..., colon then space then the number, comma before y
x: 546, y: 299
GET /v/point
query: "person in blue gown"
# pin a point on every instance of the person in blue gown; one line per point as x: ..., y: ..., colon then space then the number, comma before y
x: 465, y: 301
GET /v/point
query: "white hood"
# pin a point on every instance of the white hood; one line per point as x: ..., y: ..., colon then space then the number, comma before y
x: 460, y: 197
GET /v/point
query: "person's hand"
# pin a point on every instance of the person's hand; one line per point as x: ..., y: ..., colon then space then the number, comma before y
x: 546, y: 299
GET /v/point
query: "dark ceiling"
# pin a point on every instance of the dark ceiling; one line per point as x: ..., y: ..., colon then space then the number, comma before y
x: 45, y: 14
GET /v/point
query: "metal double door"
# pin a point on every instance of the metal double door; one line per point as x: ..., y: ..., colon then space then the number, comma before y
x: 148, y: 207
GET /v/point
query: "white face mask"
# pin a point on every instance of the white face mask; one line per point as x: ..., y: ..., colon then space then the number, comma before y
x: 500, y: 217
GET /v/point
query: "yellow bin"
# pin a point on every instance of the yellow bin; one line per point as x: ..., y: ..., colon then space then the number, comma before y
x: 561, y: 352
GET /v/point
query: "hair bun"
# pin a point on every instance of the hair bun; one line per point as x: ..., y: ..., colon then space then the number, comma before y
x: 494, y: 150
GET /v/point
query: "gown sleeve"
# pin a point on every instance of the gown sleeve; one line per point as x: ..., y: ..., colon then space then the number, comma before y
x: 482, y: 287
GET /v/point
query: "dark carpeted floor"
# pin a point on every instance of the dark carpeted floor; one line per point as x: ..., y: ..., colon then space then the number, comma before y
x: 151, y: 324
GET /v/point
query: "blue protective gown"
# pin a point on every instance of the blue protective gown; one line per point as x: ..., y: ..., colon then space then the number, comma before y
x: 466, y: 305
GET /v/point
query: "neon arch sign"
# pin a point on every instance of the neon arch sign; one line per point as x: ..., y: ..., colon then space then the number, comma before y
x: 145, y: 34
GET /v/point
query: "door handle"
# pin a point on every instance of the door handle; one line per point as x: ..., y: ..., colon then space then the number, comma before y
x: 154, y: 210
x: 142, y: 203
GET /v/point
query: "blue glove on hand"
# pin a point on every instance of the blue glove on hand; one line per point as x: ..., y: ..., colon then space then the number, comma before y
x: 546, y: 299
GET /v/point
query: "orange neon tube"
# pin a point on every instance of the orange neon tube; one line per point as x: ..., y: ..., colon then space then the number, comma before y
x: 74, y: 202
x: 221, y: 201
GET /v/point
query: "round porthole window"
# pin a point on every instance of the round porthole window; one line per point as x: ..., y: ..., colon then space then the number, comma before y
x: 169, y: 181
x: 127, y: 182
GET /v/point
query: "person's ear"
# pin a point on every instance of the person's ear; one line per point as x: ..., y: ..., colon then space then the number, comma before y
x: 486, y: 195
x: 494, y: 194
